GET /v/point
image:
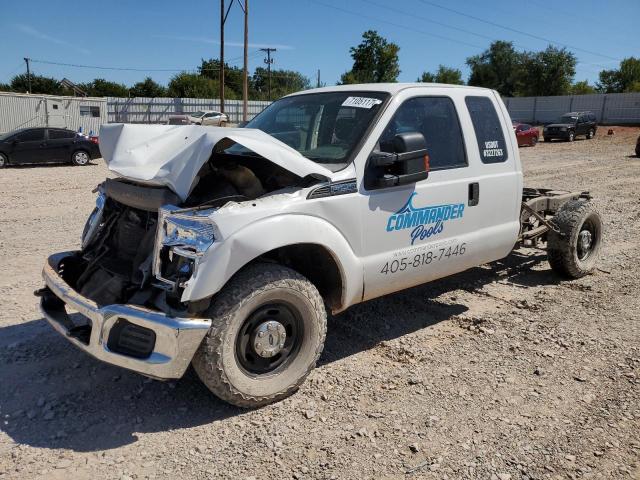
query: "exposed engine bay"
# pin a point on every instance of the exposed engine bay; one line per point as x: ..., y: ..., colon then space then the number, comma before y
x: 123, y: 258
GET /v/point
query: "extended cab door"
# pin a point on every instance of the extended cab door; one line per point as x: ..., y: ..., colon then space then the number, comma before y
x: 464, y: 214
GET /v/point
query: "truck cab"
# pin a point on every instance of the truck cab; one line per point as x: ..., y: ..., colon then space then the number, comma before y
x: 225, y: 248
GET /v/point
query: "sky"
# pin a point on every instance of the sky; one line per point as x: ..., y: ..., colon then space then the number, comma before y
x: 161, y: 37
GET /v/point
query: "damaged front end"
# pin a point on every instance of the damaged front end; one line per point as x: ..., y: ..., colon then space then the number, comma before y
x: 141, y: 246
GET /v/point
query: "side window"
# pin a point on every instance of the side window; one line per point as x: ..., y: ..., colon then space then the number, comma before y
x: 89, y: 111
x: 436, y: 118
x: 36, y: 135
x: 488, y: 129
x: 60, y: 134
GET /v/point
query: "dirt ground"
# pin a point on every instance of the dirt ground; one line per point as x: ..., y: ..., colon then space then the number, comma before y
x: 501, y: 372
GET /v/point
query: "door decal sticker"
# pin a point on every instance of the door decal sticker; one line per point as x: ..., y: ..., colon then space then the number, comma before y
x: 425, y: 222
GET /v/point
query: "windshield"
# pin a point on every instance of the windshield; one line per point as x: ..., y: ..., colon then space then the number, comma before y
x: 197, y: 114
x: 324, y: 127
x: 568, y: 119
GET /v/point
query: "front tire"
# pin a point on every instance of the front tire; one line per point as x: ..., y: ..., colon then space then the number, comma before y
x: 571, y: 137
x: 80, y: 158
x: 574, y: 251
x: 268, y: 331
x: 534, y: 141
x: 4, y: 161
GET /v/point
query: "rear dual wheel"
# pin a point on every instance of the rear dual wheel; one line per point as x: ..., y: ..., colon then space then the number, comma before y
x: 268, y: 329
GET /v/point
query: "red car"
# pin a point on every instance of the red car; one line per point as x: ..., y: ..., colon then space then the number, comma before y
x: 526, y: 134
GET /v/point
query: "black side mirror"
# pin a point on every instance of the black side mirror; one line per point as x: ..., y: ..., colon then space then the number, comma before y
x: 408, y: 163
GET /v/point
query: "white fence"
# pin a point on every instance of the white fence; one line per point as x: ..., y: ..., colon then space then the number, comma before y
x: 609, y: 108
x: 159, y: 109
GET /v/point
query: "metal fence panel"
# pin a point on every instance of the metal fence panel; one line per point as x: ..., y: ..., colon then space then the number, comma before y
x: 158, y: 110
x: 610, y: 108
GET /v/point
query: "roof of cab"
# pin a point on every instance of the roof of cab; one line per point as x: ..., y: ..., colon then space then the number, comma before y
x: 391, y: 88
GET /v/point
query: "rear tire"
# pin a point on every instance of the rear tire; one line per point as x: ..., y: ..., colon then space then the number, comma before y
x: 534, y: 141
x: 590, y: 134
x: 571, y: 137
x: 574, y: 252
x: 80, y: 158
x: 231, y: 362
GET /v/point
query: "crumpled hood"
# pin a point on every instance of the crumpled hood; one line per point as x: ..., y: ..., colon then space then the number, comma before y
x: 172, y: 155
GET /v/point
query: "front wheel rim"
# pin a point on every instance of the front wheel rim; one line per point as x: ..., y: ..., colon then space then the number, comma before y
x: 269, y: 339
x: 587, y: 240
x: 3, y: 161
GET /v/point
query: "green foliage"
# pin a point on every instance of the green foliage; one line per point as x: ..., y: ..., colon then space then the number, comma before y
x: 39, y: 84
x: 193, y: 85
x: 5, y: 87
x: 283, y: 82
x: 549, y: 72
x: 148, y: 88
x: 374, y: 61
x: 232, y: 75
x: 582, y: 88
x: 452, y: 76
x: 105, y: 88
x: 624, y: 79
x: 499, y: 68
x: 512, y: 73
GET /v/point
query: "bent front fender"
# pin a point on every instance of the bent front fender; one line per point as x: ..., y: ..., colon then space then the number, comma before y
x: 224, y: 259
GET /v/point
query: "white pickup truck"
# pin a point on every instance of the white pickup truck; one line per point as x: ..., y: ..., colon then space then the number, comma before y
x: 224, y: 248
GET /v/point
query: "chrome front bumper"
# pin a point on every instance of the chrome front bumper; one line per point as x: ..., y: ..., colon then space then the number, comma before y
x: 176, y: 339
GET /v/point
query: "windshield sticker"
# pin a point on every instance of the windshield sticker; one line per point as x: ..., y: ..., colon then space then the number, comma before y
x: 361, y: 102
x: 491, y: 149
x: 424, y: 222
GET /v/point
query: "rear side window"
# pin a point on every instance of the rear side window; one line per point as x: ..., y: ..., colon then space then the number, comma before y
x: 436, y: 118
x: 488, y: 128
x: 32, y: 135
x: 58, y: 134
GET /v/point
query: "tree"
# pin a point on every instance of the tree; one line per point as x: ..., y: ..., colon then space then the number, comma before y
x: 549, y: 72
x: 452, y: 76
x: 100, y: 87
x: 39, y: 84
x: 499, y: 68
x: 192, y: 85
x: 233, y: 76
x: 625, y: 79
x: 283, y: 82
x: 148, y: 88
x: 375, y: 60
x: 5, y: 87
x: 582, y: 88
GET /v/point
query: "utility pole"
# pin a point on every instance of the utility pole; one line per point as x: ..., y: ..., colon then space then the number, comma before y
x: 318, y: 83
x: 268, y: 61
x: 245, y: 79
x: 223, y: 19
x: 27, y: 60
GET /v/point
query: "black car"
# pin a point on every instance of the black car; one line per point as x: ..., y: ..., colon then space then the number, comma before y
x: 45, y: 145
x: 570, y: 125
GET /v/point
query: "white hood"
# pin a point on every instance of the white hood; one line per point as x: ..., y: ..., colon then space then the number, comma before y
x: 172, y: 155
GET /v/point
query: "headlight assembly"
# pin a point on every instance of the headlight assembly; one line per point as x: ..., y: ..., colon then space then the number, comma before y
x: 181, y: 239
x: 93, y: 222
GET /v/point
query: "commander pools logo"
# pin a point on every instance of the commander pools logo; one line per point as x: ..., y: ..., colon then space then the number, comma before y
x: 424, y: 222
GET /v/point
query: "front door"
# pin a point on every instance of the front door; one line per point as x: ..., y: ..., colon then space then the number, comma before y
x: 30, y: 147
x: 463, y: 215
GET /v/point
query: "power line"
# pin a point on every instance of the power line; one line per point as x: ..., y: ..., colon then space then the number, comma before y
x: 362, y: 15
x: 521, y: 32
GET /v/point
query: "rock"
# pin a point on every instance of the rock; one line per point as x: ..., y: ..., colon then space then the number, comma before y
x: 309, y: 414
x: 62, y: 464
x: 504, y: 476
x: 571, y: 458
x: 414, y: 448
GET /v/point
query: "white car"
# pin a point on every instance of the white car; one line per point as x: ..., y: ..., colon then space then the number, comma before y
x: 208, y: 117
x: 225, y: 248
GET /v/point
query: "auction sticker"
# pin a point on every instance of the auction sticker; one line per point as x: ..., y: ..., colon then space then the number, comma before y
x: 361, y: 102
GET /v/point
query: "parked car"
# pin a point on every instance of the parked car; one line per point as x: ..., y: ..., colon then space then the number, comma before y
x: 232, y: 267
x: 178, y: 120
x: 47, y: 145
x: 526, y: 134
x: 209, y: 117
x: 570, y: 125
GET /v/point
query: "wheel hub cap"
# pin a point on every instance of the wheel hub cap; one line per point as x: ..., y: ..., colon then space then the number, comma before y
x: 585, y: 240
x: 269, y: 338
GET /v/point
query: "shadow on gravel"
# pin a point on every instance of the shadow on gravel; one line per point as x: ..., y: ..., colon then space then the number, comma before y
x: 55, y: 396
x: 27, y: 166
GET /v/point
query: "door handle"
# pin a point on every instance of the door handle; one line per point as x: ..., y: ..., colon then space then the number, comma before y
x: 474, y: 194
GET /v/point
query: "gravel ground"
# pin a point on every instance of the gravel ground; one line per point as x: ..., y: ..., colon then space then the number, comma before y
x: 501, y: 372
